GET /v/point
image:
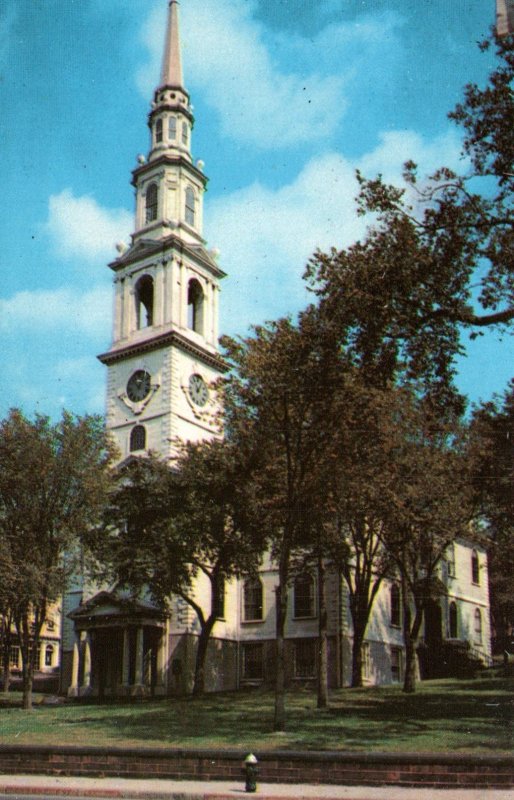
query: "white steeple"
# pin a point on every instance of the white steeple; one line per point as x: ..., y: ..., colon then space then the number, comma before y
x: 171, y: 73
x: 171, y: 119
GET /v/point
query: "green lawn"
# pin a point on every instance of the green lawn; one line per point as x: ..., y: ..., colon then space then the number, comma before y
x: 451, y: 716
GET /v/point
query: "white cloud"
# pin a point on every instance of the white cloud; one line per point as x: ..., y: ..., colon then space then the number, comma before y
x: 75, y: 313
x: 80, y: 228
x: 227, y: 60
x: 266, y: 236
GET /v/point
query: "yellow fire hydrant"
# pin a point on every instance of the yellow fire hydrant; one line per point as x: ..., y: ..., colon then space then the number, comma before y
x: 250, y: 769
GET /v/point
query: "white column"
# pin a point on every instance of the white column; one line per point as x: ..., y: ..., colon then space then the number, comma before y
x: 126, y: 658
x: 118, y: 310
x: 158, y: 296
x: 73, y: 688
x: 161, y: 658
x: 127, y: 298
x: 215, y: 302
x: 182, y: 311
x: 86, y: 675
x: 138, y: 687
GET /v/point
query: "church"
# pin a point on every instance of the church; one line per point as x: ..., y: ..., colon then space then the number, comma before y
x: 160, y: 368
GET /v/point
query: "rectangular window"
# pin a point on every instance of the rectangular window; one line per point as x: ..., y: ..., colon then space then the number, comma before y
x: 304, y: 597
x: 185, y: 133
x: 49, y: 656
x: 305, y: 659
x: 172, y: 128
x: 252, y: 661
x: 396, y: 664
x: 252, y: 601
x: 14, y: 656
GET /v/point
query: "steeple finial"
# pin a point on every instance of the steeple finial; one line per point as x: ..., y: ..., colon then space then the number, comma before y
x: 171, y: 73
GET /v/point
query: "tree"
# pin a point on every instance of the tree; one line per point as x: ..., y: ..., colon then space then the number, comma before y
x: 53, y: 482
x: 359, y: 482
x: 403, y: 297
x: 168, y: 525
x: 428, y: 506
x: 493, y: 428
x: 279, y: 401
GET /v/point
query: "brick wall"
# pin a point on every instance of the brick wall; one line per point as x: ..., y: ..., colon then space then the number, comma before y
x: 292, y: 767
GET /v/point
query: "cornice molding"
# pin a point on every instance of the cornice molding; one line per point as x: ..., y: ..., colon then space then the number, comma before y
x: 164, y: 340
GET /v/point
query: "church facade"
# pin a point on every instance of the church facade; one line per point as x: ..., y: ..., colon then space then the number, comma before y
x: 161, y: 368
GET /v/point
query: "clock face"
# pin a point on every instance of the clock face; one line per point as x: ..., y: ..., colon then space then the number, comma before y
x: 198, y: 390
x: 139, y: 385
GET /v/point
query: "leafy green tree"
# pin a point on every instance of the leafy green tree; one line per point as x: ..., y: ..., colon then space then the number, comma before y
x: 279, y: 401
x: 168, y: 525
x: 493, y: 428
x: 429, y: 504
x: 403, y: 297
x: 53, y: 481
x: 358, y: 484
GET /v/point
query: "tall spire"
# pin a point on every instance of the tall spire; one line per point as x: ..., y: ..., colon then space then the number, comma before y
x: 171, y: 73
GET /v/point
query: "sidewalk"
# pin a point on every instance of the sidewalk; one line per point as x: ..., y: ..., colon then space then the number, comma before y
x: 125, y: 788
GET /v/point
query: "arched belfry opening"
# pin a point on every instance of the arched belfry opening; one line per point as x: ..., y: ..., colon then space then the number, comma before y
x: 144, y: 302
x: 195, y: 306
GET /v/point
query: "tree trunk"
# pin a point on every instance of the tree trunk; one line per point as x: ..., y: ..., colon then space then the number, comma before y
x: 280, y: 678
x: 323, y: 639
x: 6, y: 671
x: 410, y: 636
x: 201, y: 653
x: 6, y: 656
x: 358, y: 638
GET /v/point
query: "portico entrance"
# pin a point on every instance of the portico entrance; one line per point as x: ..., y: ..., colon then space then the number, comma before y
x: 119, y: 648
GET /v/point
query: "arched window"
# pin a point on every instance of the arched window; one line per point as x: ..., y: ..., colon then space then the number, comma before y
x: 190, y: 206
x: 453, y: 621
x: 144, y: 302
x: 158, y: 130
x: 396, y: 617
x: 475, y: 567
x: 252, y: 600
x: 304, y: 596
x: 151, y: 203
x: 195, y: 306
x: 185, y: 133
x: 478, y: 626
x: 49, y: 655
x: 172, y: 128
x: 137, y: 438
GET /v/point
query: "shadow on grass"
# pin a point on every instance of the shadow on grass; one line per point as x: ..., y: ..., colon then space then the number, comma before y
x: 468, y: 716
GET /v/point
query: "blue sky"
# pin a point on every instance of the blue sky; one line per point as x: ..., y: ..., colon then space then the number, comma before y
x: 290, y: 98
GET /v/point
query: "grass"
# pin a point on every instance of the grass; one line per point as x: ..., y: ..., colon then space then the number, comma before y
x: 443, y: 716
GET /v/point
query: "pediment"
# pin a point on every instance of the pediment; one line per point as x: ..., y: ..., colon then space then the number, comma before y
x: 108, y: 604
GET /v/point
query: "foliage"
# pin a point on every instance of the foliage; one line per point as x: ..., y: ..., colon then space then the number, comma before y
x: 53, y: 480
x: 167, y: 526
x: 493, y: 427
x: 280, y: 400
x: 430, y: 504
x: 403, y: 296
